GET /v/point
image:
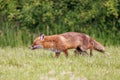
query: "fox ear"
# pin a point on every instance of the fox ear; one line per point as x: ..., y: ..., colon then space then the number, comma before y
x: 41, y: 36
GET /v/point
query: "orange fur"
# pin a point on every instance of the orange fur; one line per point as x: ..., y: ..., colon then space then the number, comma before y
x: 70, y: 40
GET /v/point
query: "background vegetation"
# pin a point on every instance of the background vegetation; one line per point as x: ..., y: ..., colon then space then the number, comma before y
x: 22, y: 20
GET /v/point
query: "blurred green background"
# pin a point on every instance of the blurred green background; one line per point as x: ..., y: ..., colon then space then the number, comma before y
x: 23, y: 20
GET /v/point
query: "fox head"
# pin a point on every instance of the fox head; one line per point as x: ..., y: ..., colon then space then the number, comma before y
x: 38, y: 42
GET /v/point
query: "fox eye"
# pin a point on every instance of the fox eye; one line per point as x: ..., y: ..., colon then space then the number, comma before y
x: 41, y: 36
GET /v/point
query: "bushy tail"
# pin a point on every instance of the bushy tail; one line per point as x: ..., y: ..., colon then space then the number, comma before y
x: 98, y: 46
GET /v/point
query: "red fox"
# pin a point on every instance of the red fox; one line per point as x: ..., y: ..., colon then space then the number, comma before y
x: 69, y: 40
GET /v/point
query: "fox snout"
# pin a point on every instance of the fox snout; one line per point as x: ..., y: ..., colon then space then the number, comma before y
x: 36, y: 47
x: 32, y: 48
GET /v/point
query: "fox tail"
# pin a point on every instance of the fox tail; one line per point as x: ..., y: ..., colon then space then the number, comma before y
x: 97, y: 46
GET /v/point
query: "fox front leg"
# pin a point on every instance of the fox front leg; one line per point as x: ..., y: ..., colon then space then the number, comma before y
x: 66, y: 53
x: 57, y: 54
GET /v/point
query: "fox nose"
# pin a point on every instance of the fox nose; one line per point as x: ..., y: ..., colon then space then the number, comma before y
x: 32, y: 47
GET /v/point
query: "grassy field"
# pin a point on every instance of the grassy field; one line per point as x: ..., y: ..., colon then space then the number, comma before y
x: 25, y: 64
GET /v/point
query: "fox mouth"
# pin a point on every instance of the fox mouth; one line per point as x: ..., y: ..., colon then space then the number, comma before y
x: 36, y: 47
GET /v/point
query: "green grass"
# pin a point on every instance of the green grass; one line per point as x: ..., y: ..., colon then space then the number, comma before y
x: 25, y: 64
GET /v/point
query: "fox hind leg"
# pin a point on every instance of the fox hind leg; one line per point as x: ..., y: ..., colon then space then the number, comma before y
x: 91, y: 50
x: 91, y: 54
x: 80, y: 51
x: 77, y: 52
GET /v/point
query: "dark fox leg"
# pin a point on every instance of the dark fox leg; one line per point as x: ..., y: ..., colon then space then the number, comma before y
x: 83, y: 50
x: 84, y: 53
x: 80, y: 51
x: 66, y: 53
x: 57, y: 54
x: 91, y: 54
x: 77, y: 52
x: 91, y: 49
